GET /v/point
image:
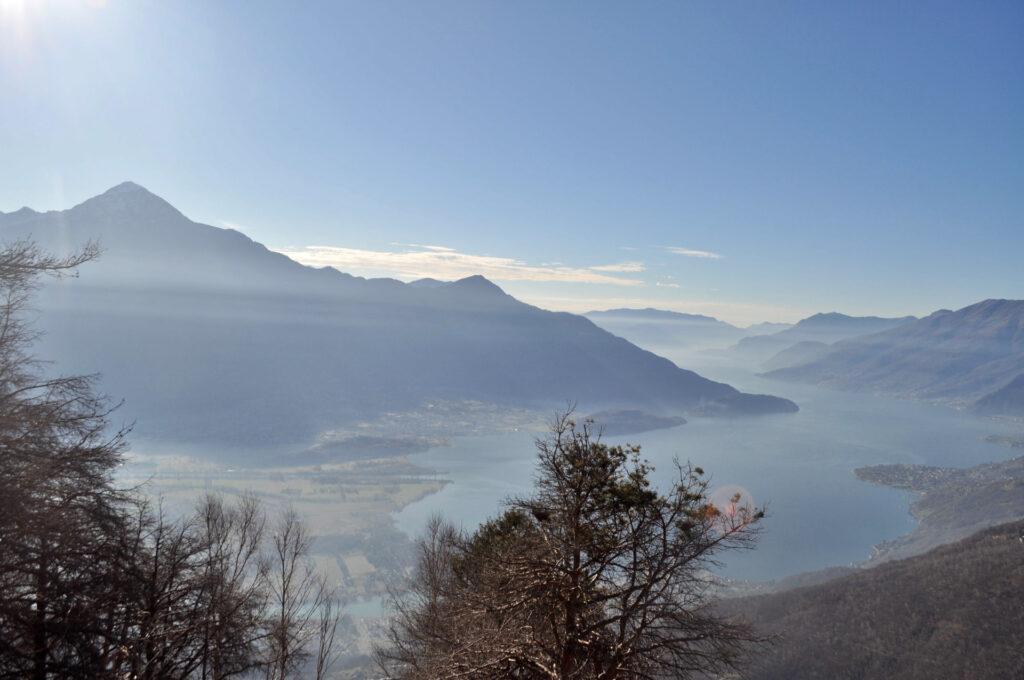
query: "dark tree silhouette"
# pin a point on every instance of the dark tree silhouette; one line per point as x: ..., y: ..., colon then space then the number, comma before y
x: 596, y: 575
x: 61, y: 517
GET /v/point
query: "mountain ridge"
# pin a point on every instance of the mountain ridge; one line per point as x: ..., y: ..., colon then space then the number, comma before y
x: 206, y: 332
x: 954, y: 356
x: 823, y: 327
x: 138, y: 212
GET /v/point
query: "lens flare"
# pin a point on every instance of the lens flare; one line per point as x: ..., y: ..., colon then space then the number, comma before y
x: 731, y: 499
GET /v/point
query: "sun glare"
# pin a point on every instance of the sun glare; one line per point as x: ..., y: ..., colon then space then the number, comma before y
x: 14, y: 23
x: 10, y: 8
x: 19, y: 11
x: 23, y: 23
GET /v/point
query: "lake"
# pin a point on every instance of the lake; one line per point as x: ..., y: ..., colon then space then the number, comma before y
x: 800, y: 465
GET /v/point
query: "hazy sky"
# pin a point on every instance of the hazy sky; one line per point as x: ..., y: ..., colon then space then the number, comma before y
x: 753, y: 160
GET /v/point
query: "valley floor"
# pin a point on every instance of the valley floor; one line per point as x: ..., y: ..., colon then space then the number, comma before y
x: 348, y: 507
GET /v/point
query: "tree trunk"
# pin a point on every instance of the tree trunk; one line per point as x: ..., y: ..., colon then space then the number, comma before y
x: 40, y: 641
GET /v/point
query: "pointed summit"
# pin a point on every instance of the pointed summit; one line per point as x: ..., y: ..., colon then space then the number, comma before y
x: 479, y: 283
x: 476, y: 291
x: 126, y: 187
x: 130, y: 199
x: 22, y: 212
x: 129, y: 191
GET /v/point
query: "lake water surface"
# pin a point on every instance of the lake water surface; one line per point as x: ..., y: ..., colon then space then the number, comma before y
x: 800, y: 465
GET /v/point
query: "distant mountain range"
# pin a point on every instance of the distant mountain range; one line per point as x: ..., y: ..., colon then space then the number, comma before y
x: 973, y: 356
x: 209, y: 336
x: 825, y: 328
x: 767, y: 328
x: 657, y: 328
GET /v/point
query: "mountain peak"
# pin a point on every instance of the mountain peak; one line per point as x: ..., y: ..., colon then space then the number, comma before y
x: 427, y: 283
x: 828, y: 318
x: 23, y: 211
x: 476, y: 290
x: 479, y: 283
x: 132, y: 199
x: 124, y: 187
x: 824, y: 317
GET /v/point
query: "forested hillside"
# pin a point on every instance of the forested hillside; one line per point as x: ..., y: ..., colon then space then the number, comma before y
x: 954, y: 613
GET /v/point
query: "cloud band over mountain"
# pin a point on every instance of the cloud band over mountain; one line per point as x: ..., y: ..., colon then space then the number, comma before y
x: 440, y: 262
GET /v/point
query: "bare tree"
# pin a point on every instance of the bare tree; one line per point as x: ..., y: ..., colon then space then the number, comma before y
x: 234, y: 592
x: 302, y: 606
x: 326, y: 632
x: 218, y: 595
x: 596, y: 575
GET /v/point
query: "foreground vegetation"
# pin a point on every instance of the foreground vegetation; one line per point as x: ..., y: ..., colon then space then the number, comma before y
x: 596, y: 575
x: 97, y: 583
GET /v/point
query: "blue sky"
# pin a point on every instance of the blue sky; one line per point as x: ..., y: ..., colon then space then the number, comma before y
x: 861, y: 157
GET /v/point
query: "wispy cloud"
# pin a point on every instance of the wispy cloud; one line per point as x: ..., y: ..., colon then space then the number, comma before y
x: 440, y: 262
x: 666, y: 284
x: 422, y: 246
x: 690, y: 252
x: 625, y: 267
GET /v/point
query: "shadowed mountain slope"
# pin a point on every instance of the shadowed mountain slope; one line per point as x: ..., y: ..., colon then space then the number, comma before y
x: 955, y: 612
x: 210, y: 336
x: 795, y: 355
x: 1006, y: 401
